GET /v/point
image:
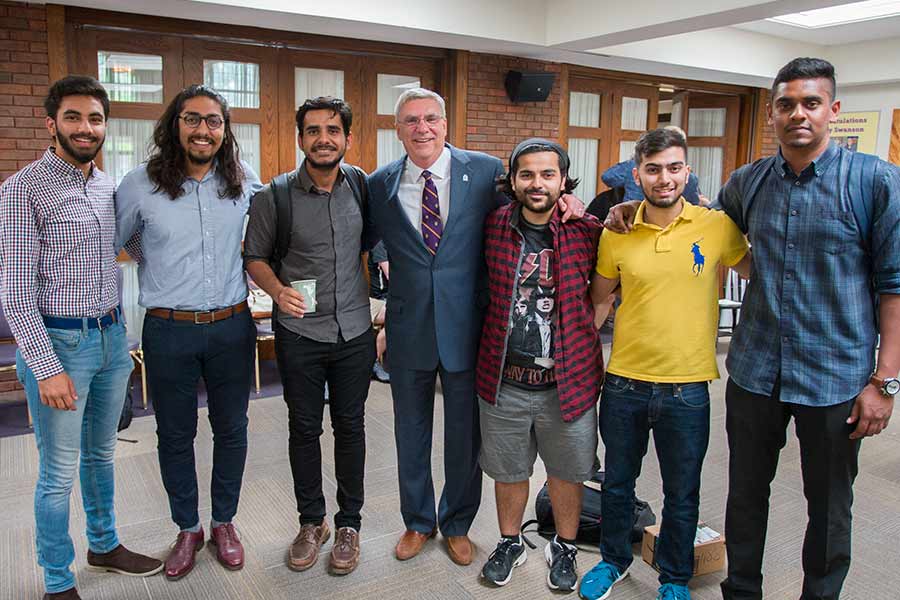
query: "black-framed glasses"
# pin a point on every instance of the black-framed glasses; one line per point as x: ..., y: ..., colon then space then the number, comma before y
x: 192, y: 120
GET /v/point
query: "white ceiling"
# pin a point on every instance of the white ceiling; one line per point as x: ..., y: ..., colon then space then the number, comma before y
x: 837, y: 35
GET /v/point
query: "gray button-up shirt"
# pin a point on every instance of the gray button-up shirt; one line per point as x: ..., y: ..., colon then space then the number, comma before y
x: 191, y: 246
x: 325, y: 243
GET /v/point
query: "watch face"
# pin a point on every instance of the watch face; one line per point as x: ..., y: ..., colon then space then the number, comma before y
x: 892, y: 386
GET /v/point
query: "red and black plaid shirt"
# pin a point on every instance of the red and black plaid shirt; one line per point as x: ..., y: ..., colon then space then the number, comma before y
x: 577, y: 356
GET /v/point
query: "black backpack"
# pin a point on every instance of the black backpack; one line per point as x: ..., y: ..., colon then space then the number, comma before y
x: 591, y: 521
x: 281, y: 194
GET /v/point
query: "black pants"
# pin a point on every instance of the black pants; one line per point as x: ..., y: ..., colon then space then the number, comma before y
x: 305, y: 365
x: 178, y: 354
x: 756, y: 427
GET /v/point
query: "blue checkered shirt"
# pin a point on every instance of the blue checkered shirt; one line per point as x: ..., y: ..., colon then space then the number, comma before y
x: 57, y: 231
x: 808, y: 317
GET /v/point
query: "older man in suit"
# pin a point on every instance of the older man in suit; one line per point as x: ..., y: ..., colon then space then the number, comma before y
x: 429, y: 208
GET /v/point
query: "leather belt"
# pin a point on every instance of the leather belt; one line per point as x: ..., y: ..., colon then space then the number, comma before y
x: 199, y: 317
x: 101, y: 322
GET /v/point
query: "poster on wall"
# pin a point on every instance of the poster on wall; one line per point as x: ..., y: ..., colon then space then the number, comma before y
x: 856, y: 131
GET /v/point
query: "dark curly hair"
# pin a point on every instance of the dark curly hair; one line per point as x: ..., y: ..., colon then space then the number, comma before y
x: 75, y: 85
x: 166, y: 165
x: 504, y: 182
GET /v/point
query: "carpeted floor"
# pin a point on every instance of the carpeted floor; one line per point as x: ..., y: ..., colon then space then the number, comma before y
x: 267, y: 521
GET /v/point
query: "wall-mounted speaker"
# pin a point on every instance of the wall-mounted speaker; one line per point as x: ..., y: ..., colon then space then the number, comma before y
x: 528, y: 87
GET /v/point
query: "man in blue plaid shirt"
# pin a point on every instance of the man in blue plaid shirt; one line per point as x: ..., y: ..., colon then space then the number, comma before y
x: 59, y: 291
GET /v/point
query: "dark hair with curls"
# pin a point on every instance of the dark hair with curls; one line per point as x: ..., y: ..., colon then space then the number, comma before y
x: 75, y: 85
x: 166, y: 166
x: 335, y: 105
x: 504, y: 183
x: 806, y: 68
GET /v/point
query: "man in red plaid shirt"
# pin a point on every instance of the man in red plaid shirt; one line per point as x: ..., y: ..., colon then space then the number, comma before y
x: 539, y: 363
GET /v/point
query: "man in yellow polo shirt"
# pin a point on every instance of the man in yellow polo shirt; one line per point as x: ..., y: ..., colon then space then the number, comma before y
x: 663, y: 356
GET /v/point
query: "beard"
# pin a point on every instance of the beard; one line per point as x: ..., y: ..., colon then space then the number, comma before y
x: 82, y: 156
x: 202, y: 159
x: 327, y: 165
x: 665, y: 202
x: 544, y: 205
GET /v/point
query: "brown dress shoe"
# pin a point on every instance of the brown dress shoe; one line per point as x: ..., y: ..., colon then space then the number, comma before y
x: 69, y: 594
x: 125, y: 562
x: 460, y: 549
x: 304, y: 551
x: 411, y: 543
x: 345, y: 551
x: 181, y: 557
x: 229, y: 551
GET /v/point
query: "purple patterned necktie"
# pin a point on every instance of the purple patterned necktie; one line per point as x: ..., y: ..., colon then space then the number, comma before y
x: 432, y: 226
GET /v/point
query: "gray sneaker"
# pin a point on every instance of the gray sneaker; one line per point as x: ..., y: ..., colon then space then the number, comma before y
x: 499, y: 565
x: 561, y: 560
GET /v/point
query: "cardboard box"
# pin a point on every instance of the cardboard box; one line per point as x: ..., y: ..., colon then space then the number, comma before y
x: 709, y: 549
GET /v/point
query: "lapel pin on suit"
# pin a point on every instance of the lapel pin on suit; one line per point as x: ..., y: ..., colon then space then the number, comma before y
x: 465, y: 177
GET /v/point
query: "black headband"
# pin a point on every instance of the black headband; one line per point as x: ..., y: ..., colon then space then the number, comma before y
x: 531, y: 142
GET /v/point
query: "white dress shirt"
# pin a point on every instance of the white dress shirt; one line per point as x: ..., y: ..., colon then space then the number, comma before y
x: 412, y: 184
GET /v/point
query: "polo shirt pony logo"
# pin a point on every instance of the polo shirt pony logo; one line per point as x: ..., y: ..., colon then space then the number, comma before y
x: 699, y: 259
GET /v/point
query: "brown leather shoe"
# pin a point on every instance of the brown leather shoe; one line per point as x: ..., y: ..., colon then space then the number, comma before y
x: 345, y: 551
x: 181, y: 557
x: 229, y: 551
x: 411, y: 543
x: 460, y: 549
x: 125, y: 562
x: 304, y: 551
x: 69, y: 594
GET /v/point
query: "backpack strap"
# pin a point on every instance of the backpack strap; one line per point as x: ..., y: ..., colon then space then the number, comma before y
x: 862, y: 177
x: 751, y: 181
x: 281, y: 194
x: 356, y: 178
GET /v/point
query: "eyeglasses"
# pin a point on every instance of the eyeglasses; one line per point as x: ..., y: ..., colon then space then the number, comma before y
x: 430, y: 120
x: 192, y: 120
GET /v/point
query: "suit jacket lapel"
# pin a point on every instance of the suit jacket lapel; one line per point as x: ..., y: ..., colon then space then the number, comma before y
x: 460, y: 177
x: 393, y: 184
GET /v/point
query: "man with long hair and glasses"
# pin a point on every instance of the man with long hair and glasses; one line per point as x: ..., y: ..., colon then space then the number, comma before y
x: 59, y: 278
x: 329, y: 343
x: 181, y: 215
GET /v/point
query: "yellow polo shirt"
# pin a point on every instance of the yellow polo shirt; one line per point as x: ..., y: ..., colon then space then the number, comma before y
x: 667, y: 324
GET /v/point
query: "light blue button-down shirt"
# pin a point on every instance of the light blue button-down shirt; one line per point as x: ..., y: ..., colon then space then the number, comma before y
x: 190, y: 247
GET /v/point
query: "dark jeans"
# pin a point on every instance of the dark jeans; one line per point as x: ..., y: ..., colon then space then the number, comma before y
x: 178, y: 354
x: 305, y: 365
x: 413, y: 393
x: 756, y: 427
x: 678, y: 414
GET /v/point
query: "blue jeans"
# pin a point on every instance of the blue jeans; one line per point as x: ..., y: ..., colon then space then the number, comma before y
x: 679, y: 417
x: 99, y: 365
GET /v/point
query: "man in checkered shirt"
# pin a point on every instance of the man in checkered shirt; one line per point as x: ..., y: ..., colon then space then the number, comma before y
x: 59, y: 291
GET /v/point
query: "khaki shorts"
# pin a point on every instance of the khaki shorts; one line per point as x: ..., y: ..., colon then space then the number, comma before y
x: 527, y: 423
x: 375, y: 306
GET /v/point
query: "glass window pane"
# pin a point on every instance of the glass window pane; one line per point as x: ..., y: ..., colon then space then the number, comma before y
x: 706, y: 164
x: 247, y: 136
x: 583, y: 154
x: 237, y: 81
x: 389, y: 89
x: 312, y: 83
x: 127, y: 145
x: 389, y: 147
x: 703, y: 122
x: 626, y: 150
x: 131, y: 77
x: 584, y: 109
x: 634, y: 114
x: 676, y: 113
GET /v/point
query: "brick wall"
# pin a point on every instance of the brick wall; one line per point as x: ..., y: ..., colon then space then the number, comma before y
x: 494, y: 124
x: 769, y: 145
x: 23, y: 85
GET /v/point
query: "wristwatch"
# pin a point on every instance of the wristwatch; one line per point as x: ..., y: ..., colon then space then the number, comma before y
x: 889, y: 386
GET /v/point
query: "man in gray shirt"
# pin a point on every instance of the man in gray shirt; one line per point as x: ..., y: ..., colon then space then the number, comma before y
x: 329, y: 340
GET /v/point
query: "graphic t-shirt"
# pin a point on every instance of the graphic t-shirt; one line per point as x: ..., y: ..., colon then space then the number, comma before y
x: 529, y: 353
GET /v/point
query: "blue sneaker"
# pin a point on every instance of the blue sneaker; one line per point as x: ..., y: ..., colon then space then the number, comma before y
x: 598, y: 583
x: 672, y: 591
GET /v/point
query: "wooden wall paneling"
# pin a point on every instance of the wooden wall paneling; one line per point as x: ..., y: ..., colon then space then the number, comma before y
x: 456, y: 72
x: 564, y: 106
x: 368, y: 142
x: 746, y: 125
x: 894, y: 150
x: 57, y: 53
